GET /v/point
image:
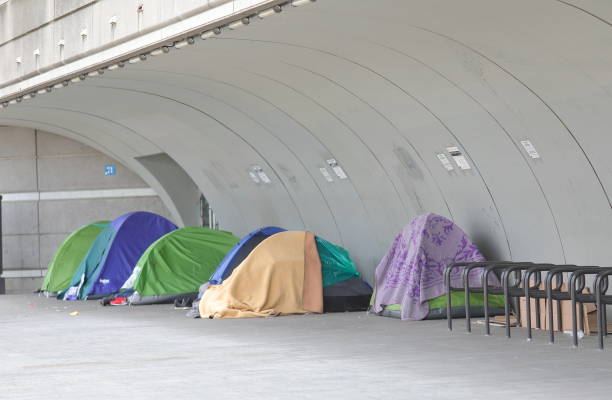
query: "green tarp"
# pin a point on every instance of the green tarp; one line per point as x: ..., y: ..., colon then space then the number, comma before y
x: 336, y: 263
x: 69, y: 255
x: 180, y: 261
x: 457, y: 300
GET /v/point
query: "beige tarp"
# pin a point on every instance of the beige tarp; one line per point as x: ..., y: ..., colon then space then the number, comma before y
x: 282, y: 275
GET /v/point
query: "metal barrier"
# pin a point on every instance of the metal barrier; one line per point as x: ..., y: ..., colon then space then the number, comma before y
x: 527, y: 283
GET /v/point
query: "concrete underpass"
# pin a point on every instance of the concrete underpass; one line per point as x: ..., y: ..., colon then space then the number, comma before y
x: 347, y: 118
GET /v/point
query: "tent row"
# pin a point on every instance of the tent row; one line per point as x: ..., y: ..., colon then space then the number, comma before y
x: 142, y: 258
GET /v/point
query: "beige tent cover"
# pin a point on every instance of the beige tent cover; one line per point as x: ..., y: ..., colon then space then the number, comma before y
x: 282, y: 275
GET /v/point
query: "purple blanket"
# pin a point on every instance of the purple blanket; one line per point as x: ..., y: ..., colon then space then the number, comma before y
x: 412, y: 271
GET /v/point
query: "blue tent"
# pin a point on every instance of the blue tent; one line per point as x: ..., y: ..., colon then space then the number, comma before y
x: 114, y: 253
x: 240, y: 251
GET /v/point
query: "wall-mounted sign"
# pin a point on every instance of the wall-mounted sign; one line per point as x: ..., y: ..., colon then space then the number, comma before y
x: 326, y: 174
x: 445, y: 162
x: 110, y: 170
x: 261, y: 175
x: 254, y: 176
x: 530, y: 149
x: 337, y: 168
x: 459, y: 158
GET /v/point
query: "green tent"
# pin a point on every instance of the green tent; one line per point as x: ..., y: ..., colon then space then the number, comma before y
x: 69, y: 255
x: 177, y: 264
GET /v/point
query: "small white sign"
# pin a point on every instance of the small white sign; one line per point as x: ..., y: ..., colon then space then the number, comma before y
x: 340, y: 172
x: 530, y: 149
x: 254, y: 176
x: 326, y: 174
x: 260, y: 174
x: 459, y: 158
x: 337, y: 168
x: 445, y: 162
x: 264, y: 178
x: 462, y: 162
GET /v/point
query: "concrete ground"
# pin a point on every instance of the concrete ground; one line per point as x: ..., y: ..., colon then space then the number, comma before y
x: 155, y: 352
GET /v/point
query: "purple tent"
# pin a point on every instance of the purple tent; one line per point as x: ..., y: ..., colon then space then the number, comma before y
x: 412, y: 271
x: 133, y: 234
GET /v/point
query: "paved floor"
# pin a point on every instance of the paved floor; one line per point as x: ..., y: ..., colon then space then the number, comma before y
x: 155, y: 352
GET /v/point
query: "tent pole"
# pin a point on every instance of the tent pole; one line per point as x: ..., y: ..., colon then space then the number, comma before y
x: 2, y: 286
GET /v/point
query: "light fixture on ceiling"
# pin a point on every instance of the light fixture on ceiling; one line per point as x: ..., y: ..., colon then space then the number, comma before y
x: 207, y: 35
x: 297, y: 3
x: 137, y: 59
x: 13, y: 101
x: 269, y: 12
x: 211, y: 33
x: 29, y: 96
x: 180, y: 44
x: 241, y: 22
x: 118, y: 65
x: 160, y: 51
x: 48, y: 89
x: 183, y: 43
x: 96, y: 72
x: 79, y: 78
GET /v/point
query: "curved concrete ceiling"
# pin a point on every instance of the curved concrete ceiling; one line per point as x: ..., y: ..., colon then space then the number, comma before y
x: 382, y: 87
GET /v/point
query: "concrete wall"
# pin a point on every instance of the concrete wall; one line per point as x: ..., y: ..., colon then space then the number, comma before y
x: 173, y: 179
x: 35, y: 163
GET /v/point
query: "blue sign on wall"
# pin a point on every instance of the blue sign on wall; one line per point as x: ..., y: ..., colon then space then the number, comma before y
x: 110, y: 170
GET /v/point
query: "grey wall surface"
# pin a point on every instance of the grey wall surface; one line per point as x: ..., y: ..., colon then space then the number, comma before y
x: 34, y: 162
x: 383, y: 87
x: 186, y: 195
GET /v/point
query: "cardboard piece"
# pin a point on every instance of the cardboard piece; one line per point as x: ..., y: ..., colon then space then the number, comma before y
x: 534, y: 315
x: 566, y: 313
x: 499, y: 320
x: 590, y: 323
